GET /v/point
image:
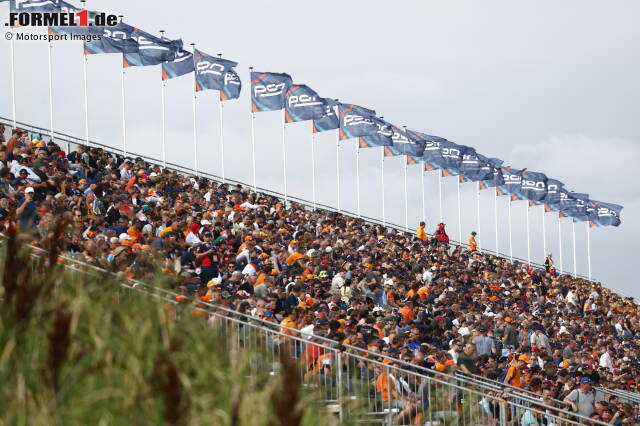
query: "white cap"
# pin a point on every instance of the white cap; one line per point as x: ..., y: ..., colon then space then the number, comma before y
x: 205, y: 222
x: 153, y: 174
x: 28, y: 190
x: 114, y: 240
x: 124, y: 237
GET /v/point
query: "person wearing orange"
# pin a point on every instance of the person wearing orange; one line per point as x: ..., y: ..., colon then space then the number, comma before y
x: 385, y: 384
x: 407, y: 312
x: 473, y: 246
x: 420, y: 232
x: 134, y: 231
x: 298, y: 254
x: 514, y: 374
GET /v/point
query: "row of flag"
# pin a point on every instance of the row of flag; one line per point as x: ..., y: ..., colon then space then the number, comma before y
x: 276, y: 91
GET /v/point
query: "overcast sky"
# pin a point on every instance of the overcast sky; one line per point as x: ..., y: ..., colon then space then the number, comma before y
x: 550, y: 86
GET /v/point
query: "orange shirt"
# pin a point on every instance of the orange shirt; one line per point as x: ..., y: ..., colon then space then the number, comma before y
x: 288, y: 322
x: 384, y: 386
x: 420, y: 234
x: 515, y: 374
x: 423, y: 292
x: 472, y: 244
x: 134, y: 234
x: 407, y: 313
x: 292, y: 258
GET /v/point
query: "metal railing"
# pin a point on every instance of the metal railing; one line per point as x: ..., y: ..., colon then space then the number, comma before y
x: 355, y: 380
x: 73, y: 141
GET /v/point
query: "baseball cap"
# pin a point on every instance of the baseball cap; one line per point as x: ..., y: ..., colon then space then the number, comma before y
x: 439, y: 318
x: 28, y: 190
x: 586, y: 380
x: 524, y: 358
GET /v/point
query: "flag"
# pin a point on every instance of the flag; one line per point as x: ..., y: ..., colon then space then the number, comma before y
x: 27, y: 6
x: 603, y: 214
x: 533, y: 187
x: 329, y: 120
x: 406, y: 144
x: 573, y: 205
x: 182, y: 64
x: 511, y: 182
x: 210, y: 71
x: 114, y: 40
x: 432, y: 155
x: 302, y: 103
x: 152, y: 50
x: 494, y: 179
x: 267, y: 90
x: 451, y: 158
x: 91, y: 29
x: 356, y: 121
x: 475, y: 167
x: 552, y: 197
x: 382, y: 136
x: 231, y: 87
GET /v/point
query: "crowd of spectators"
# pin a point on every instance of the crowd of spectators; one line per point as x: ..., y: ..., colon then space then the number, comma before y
x: 410, y: 297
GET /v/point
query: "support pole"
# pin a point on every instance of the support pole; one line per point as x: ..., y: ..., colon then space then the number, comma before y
x: 495, y: 217
x: 253, y: 139
x: 195, y: 130
x: 221, y: 134
x: 478, y: 232
x: 162, y: 107
x: 440, y: 192
x: 588, y: 250
x: 124, y: 117
x: 338, y: 165
x: 13, y: 82
x: 313, y: 166
x: 358, y: 177
x: 382, y: 191
x: 459, y: 214
x: 528, y: 235
x: 424, y: 205
x: 510, y: 232
x: 284, y: 157
x: 50, y: 53
x: 544, y: 233
x: 86, y: 93
x: 560, y: 242
x: 575, y: 260
x: 406, y: 196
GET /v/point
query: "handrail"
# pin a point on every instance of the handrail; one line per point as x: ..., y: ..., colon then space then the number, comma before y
x: 69, y: 139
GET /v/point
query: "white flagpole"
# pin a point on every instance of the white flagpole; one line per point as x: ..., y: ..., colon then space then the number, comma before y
x: 528, y: 235
x: 459, y: 214
x: 253, y: 137
x: 440, y: 191
x: 164, y: 136
x: 478, y: 232
x: 424, y: 206
x: 406, y: 196
x: 544, y: 234
x: 313, y: 166
x: 382, y: 169
x: 86, y: 94
x: 13, y: 82
x: 195, y: 131
x: 495, y: 217
x: 560, y: 242
x: 358, y: 176
x: 49, y: 48
x: 124, y: 115
x: 284, y: 157
x: 588, y: 250
x: 338, y: 165
x: 575, y: 261
x: 510, y: 238
x: 221, y: 133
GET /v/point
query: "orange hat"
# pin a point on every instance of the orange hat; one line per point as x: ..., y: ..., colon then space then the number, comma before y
x: 524, y: 358
x: 387, y: 361
x: 508, y: 319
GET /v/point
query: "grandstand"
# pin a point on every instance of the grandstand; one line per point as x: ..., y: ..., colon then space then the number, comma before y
x: 419, y: 331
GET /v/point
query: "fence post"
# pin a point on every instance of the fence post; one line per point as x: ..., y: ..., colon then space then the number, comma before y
x: 339, y: 384
x: 503, y: 412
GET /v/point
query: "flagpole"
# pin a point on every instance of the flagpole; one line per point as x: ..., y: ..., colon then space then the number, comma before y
x: 440, y: 192
x: 588, y: 250
x: 313, y: 166
x: 284, y: 157
x: 560, y: 241
x: 221, y: 132
x: 479, y: 233
x: 575, y: 261
x: 544, y: 234
x: 510, y: 238
x: 162, y: 86
x: 406, y: 197
x: 424, y: 208
x: 13, y: 82
x: 195, y: 132
x: 338, y: 165
x: 358, y: 175
x: 382, y: 169
x: 124, y: 115
x: 253, y: 137
x: 49, y: 48
x: 528, y: 235
x: 459, y: 215
x: 495, y: 218
x: 86, y: 94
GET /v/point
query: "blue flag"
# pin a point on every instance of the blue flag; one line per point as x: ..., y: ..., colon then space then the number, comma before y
x: 268, y: 90
x: 152, y: 50
x: 573, y: 205
x: 511, y: 181
x: 405, y: 144
x: 211, y: 71
x: 475, y: 167
x: 356, y: 121
x: 182, y: 64
x: 91, y: 29
x: 552, y: 198
x: 329, y: 120
x: 302, y: 103
x: 27, y: 6
x: 603, y: 214
x: 232, y: 86
x: 533, y: 187
x: 382, y: 136
x: 114, y: 40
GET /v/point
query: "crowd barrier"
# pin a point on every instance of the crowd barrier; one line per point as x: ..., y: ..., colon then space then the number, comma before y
x: 72, y: 142
x: 349, y: 378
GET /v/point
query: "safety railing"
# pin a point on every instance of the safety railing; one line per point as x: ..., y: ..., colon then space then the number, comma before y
x: 355, y: 380
x: 73, y: 141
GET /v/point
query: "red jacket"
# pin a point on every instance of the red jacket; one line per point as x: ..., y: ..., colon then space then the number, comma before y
x: 442, y: 236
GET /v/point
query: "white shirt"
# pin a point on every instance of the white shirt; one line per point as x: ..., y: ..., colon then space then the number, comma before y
x: 192, y: 239
x: 605, y: 361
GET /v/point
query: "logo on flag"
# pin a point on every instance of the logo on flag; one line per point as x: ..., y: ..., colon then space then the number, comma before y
x: 302, y: 103
x: 268, y: 90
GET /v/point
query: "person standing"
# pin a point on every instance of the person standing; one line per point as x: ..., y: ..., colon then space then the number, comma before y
x: 473, y: 246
